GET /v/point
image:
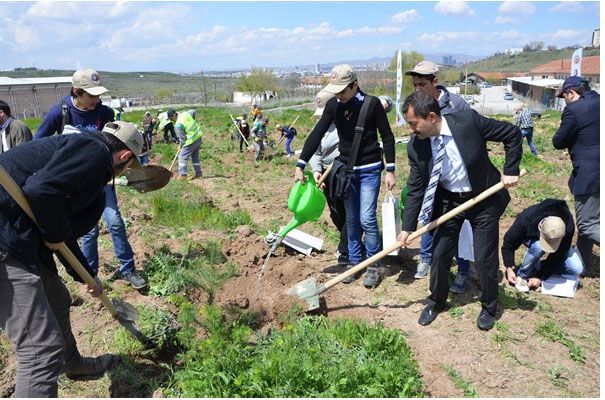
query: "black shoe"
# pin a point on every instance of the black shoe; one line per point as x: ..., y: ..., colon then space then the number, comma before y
x: 485, y: 321
x: 373, y: 277
x: 352, y: 278
x: 90, y: 368
x: 429, y: 314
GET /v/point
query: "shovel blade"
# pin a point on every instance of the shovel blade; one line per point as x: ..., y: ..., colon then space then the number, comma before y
x: 126, y: 311
x: 307, y: 290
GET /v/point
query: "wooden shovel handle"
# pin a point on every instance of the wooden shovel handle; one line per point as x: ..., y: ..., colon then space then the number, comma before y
x: 239, y: 130
x: 17, y: 194
x: 432, y: 225
x: 174, y: 159
x: 323, y: 176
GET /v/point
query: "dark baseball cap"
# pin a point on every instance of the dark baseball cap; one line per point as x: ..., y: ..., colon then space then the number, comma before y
x: 571, y: 82
x: 170, y: 112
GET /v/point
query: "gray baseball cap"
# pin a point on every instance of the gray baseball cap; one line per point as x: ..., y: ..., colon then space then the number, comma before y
x: 129, y: 135
x: 89, y: 80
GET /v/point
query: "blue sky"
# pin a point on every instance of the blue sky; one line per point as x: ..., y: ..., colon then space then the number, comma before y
x: 193, y: 36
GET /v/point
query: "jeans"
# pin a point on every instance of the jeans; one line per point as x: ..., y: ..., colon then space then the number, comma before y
x: 426, y: 244
x: 360, y: 205
x: 144, y: 159
x: 529, y: 134
x: 117, y: 229
x: 288, y: 143
x: 192, y: 150
x: 571, y: 268
x: 149, y: 135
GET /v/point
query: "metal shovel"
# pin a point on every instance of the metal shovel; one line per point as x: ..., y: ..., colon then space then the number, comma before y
x: 310, y: 291
x: 125, y: 313
x: 148, y: 178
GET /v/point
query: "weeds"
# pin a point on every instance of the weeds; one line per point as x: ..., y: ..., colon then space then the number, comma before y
x: 466, y: 387
x: 514, y: 300
x: 555, y: 375
x: 156, y: 325
x: 456, y: 312
x: 312, y: 357
x: 169, y: 273
x: 551, y: 331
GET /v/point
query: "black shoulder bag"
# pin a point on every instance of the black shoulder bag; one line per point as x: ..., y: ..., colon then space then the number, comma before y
x: 344, y: 174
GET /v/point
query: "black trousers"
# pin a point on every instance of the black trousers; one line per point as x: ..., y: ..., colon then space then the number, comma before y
x: 445, y: 243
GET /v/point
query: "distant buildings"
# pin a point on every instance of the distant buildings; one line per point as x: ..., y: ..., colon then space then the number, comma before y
x: 596, y: 38
x: 514, y: 51
x: 560, y: 69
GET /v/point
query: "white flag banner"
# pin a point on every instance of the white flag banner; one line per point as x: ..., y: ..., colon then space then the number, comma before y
x: 399, y: 117
x: 576, y: 63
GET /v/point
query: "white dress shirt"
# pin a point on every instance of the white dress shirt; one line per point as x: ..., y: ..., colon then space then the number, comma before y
x: 454, y: 176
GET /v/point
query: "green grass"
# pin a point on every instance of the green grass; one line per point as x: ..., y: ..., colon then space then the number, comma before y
x: 467, y: 388
x: 182, y: 205
x: 556, y: 376
x: 456, y: 312
x: 552, y: 331
x: 512, y: 299
x: 170, y: 273
x: 157, y: 325
x: 311, y: 357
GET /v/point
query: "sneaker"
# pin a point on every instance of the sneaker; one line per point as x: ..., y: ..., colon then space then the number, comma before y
x: 181, y: 178
x: 352, y: 278
x: 91, y: 368
x: 373, y: 277
x: 460, y: 284
x: 522, y: 285
x: 135, y: 280
x: 422, y: 269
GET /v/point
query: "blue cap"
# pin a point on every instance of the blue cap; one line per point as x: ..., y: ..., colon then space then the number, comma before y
x: 571, y: 82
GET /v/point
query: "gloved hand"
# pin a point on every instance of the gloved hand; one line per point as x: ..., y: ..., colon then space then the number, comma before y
x: 257, y: 140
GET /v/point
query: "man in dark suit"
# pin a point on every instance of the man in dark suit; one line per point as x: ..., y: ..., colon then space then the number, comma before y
x: 449, y: 165
x: 579, y: 134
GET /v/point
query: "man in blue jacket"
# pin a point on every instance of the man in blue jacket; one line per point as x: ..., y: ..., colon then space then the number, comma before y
x: 83, y: 110
x: 63, y: 178
x: 579, y: 134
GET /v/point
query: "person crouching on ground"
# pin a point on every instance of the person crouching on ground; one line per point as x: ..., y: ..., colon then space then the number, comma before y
x: 544, y: 228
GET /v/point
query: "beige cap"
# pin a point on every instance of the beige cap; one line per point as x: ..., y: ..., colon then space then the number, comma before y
x: 424, y: 67
x: 89, y: 80
x: 552, y: 230
x: 321, y: 99
x: 129, y: 135
x: 340, y: 77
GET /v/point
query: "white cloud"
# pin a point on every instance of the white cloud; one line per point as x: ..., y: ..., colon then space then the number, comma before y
x: 514, y: 12
x: 516, y: 7
x: 453, y: 8
x: 574, y: 7
x: 567, y: 35
x: 405, y: 17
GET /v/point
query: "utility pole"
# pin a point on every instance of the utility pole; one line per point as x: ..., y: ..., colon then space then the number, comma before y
x: 204, y: 89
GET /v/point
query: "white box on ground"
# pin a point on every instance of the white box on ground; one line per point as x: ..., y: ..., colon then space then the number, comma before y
x: 557, y: 285
x: 302, y: 242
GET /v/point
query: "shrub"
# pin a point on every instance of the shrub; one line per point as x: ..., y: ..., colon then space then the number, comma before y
x: 312, y: 357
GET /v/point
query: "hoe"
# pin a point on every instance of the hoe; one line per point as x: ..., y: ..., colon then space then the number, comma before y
x: 308, y: 290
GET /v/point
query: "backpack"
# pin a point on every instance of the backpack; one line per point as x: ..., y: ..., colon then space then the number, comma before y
x: 65, y: 116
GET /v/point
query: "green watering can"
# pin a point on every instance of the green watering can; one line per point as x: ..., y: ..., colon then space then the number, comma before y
x: 306, y: 202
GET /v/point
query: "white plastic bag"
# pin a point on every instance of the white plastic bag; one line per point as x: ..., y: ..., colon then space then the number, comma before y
x: 391, y: 221
x: 465, y: 242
